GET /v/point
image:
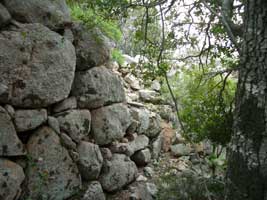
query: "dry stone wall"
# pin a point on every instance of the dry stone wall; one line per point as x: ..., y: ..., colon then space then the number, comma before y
x: 67, y: 130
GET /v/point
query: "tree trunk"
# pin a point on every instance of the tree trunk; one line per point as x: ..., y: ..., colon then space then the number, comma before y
x: 247, y: 161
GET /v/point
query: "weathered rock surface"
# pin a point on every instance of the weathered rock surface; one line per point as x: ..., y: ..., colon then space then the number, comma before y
x: 5, y: 17
x: 66, y: 104
x: 110, y: 123
x: 91, y: 160
x: 142, y: 157
x: 133, y: 81
x: 97, y: 87
x: 142, y: 116
x: 26, y: 120
x: 11, y: 177
x: 154, y: 126
x: 51, y: 172
x: 94, y: 192
x: 76, y: 123
x: 156, y: 144
x: 53, y: 123
x: 53, y: 14
x: 10, y: 110
x: 139, y: 143
x: 180, y: 150
x: 91, y: 47
x: 10, y: 145
x: 36, y: 64
x: 117, y: 173
x: 67, y: 141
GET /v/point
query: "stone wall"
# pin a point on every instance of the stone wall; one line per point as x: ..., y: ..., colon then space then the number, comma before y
x: 67, y: 130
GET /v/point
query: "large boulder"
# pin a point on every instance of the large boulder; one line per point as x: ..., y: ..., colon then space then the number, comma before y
x: 11, y: 177
x: 5, y: 17
x: 51, y: 13
x: 76, y: 123
x: 10, y: 145
x: 37, y: 66
x: 110, y: 123
x: 91, y: 47
x: 117, y: 173
x: 94, y: 191
x: 97, y: 87
x: 90, y: 160
x: 26, y: 120
x: 51, y: 172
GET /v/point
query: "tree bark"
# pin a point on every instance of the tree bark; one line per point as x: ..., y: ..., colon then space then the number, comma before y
x: 247, y: 158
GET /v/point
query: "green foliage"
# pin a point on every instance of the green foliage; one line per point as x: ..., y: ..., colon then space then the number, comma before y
x: 117, y: 56
x: 92, y: 20
x: 206, y: 108
x: 190, y: 186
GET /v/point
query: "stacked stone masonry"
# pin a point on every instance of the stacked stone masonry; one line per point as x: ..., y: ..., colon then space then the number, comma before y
x: 68, y: 127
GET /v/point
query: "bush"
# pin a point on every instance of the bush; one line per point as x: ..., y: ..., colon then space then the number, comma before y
x: 205, y: 109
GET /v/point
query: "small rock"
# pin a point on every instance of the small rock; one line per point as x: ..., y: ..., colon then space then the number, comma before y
x: 142, y: 157
x: 10, y: 145
x: 67, y: 141
x: 141, y: 178
x: 148, y: 95
x: 11, y: 177
x: 74, y: 155
x: 133, y: 81
x: 180, y: 150
x: 110, y: 123
x: 139, y: 143
x: 94, y: 192
x: 68, y: 34
x: 76, y: 123
x: 54, y: 124
x: 67, y: 104
x: 155, y: 86
x: 117, y: 173
x: 106, y: 153
x: 10, y: 110
x: 5, y: 17
x: 149, y: 172
x: 157, y: 146
x: 26, y: 120
x: 152, y: 189
x: 91, y: 160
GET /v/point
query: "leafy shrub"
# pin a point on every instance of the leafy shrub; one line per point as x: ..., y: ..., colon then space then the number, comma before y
x: 206, y: 108
x: 91, y: 19
x: 117, y: 56
x: 190, y: 186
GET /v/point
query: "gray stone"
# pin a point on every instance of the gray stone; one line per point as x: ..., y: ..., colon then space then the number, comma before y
x: 156, y: 145
x: 26, y: 120
x: 67, y: 141
x: 110, y: 123
x: 97, y: 87
x: 10, y: 110
x: 106, y: 153
x: 91, y: 47
x: 149, y: 172
x: 154, y: 128
x: 66, y: 104
x: 142, y: 116
x: 132, y: 81
x: 76, y: 123
x: 37, y: 65
x: 10, y: 145
x: 139, y: 143
x: 94, y: 192
x: 156, y: 85
x: 11, y: 177
x: 180, y: 150
x: 152, y: 189
x: 5, y: 17
x: 68, y: 34
x: 74, y: 155
x: 53, y: 123
x: 147, y: 95
x: 117, y: 173
x: 142, y: 157
x: 91, y: 160
x: 51, y: 13
x: 51, y: 172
